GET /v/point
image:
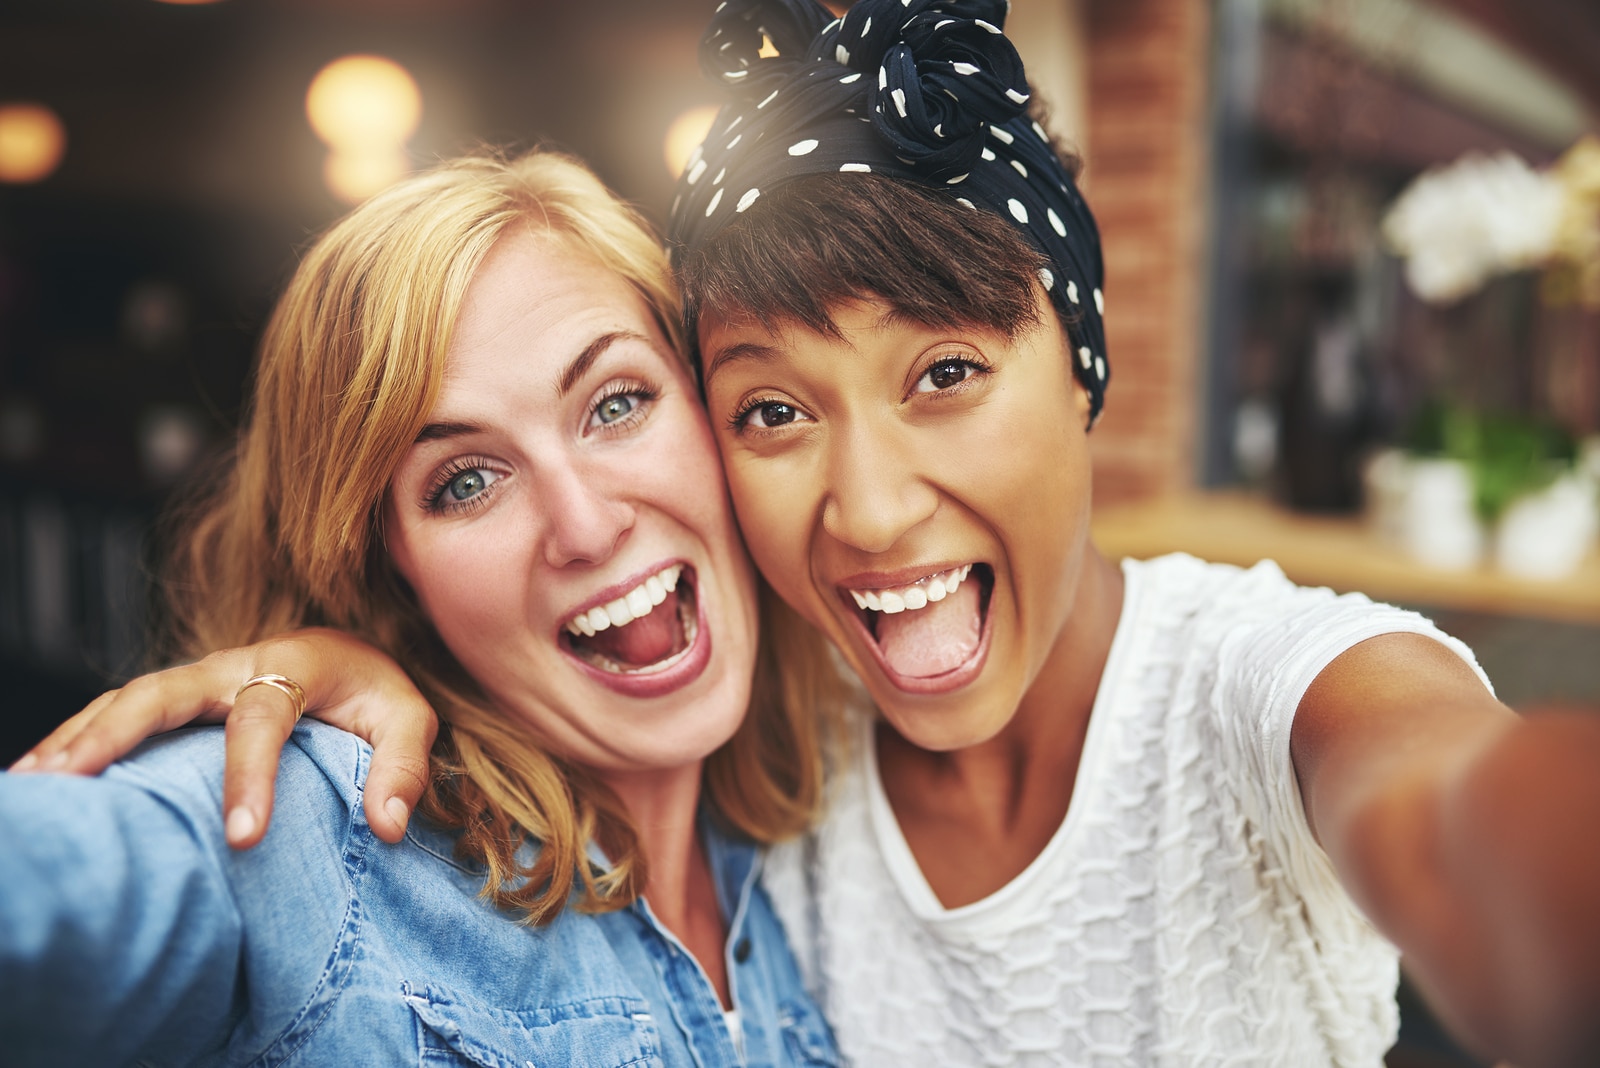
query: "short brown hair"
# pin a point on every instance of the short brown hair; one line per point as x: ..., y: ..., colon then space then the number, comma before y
x: 818, y: 241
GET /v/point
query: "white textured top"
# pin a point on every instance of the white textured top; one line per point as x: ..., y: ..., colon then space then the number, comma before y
x: 1181, y: 915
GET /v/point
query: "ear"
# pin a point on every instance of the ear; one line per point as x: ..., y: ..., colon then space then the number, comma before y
x: 1082, y: 404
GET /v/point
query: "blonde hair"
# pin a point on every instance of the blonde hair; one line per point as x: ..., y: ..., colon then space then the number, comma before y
x: 350, y: 368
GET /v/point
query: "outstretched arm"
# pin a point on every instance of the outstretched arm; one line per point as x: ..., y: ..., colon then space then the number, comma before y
x: 1470, y: 836
x: 347, y: 683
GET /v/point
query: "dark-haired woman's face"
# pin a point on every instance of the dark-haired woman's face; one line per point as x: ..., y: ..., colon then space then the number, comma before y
x: 921, y: 494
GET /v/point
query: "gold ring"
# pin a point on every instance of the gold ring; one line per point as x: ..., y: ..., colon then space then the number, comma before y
x: 278, y: 682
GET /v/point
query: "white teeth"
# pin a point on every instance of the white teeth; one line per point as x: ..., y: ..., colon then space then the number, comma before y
x: 919, y: 594
x: 635, y: 604
x: 618, y: 611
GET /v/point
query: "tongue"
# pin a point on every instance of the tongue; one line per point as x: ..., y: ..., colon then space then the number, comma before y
x: 643, y: 642
x: 930, y: 641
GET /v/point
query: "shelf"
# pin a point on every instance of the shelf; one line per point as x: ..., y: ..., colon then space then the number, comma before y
x: 1339, y: 552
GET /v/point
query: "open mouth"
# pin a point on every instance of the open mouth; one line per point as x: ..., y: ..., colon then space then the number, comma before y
x: 929, y: 634
x: 649, y: 629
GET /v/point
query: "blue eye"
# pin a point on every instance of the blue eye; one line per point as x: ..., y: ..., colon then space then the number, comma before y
x: 461, y: 486
x: 467, y: 484
x: 613, y: 408
x: 622, y: 403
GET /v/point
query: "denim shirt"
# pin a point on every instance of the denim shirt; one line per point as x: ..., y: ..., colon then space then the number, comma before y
x: 130, y: 932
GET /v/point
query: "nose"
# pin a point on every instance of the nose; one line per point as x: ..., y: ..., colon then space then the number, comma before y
x: 876, y: 489
x: 585, y: 519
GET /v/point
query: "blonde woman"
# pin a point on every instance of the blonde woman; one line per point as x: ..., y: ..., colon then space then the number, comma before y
x: 473, y: 443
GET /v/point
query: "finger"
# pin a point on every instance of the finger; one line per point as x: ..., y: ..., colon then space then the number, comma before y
x: 402, y: 738
x: 259, y: 724
x: 147, y: 705
x: 47, y: 755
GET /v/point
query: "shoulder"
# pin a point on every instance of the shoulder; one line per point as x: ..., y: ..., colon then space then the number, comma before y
x: 185, y: 767
x: 1186, y: 585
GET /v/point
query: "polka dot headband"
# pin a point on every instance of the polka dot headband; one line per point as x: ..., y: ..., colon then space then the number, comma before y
x: 929, y: 91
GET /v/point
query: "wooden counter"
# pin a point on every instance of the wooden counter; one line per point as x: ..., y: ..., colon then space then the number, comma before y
x: 1339, y: 552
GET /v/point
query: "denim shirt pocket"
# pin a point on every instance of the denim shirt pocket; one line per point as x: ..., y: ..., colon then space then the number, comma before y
x: 807, y: 1039
x: 608, y: 1032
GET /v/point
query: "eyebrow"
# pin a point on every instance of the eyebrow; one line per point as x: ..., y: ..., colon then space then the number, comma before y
x: 748, y: 350
x: 569, y: 378
x: 591, y: 352
x: 440, y: 431
x: 734, y: 353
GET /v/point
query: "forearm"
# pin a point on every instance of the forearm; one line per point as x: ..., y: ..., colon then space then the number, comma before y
x: 1486, y: 871
x: 114, y: 942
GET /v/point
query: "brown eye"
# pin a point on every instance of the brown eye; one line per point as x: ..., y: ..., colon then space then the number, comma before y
x: 768, y: 415
x: 775, y: 414
x: 946, y: 374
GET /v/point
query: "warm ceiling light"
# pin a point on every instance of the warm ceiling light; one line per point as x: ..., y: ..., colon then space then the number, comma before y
x: 685, y: 134
x: 32, y: 141
x: 353, y: 176
x: 364, y: 102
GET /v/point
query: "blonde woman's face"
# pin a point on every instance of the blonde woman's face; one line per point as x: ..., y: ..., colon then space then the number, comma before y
x: 564, y: 522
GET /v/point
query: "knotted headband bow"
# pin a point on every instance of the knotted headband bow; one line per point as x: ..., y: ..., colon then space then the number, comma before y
x: 928, y: 91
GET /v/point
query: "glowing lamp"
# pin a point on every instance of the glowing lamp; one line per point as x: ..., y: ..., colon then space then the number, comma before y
x: 32, y: 141
x: 685, y: 134
x: 353, y: 175
x: 363, y: 101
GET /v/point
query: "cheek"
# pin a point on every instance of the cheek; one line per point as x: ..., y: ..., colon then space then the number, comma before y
x: 685, y: 475
x: 774, y: 516
x: 452, y: 575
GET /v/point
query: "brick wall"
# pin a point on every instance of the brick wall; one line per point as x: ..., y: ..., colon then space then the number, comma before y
x: 1146, y: 180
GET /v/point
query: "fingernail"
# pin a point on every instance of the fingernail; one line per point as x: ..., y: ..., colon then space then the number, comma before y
x: 28, y: 761
x: 397, y: 810
x: 55, y: 761
x: 241, y: 824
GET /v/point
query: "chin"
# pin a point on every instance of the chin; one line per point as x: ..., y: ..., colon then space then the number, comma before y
x: 947, y: 725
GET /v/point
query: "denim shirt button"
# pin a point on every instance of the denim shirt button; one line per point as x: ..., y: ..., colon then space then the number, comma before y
x: 741, y: 950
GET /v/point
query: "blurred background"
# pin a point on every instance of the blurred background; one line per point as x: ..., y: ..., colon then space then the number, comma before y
x: 1353, y: 257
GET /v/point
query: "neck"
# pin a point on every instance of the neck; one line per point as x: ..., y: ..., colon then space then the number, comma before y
x: 681, y: 889
x: 1060, y: 700
x: 977, y: 816
x: 1000, y: 780
x: 662, y: 805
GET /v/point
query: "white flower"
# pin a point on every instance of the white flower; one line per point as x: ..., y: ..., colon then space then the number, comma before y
x: 1459, y: 225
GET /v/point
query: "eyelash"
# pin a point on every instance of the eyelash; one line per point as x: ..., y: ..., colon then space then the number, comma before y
x: 978, y: 367
x: 738, y: 425
x: 646, y: 393
x: 737, y: 421
x: 433, y: 497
